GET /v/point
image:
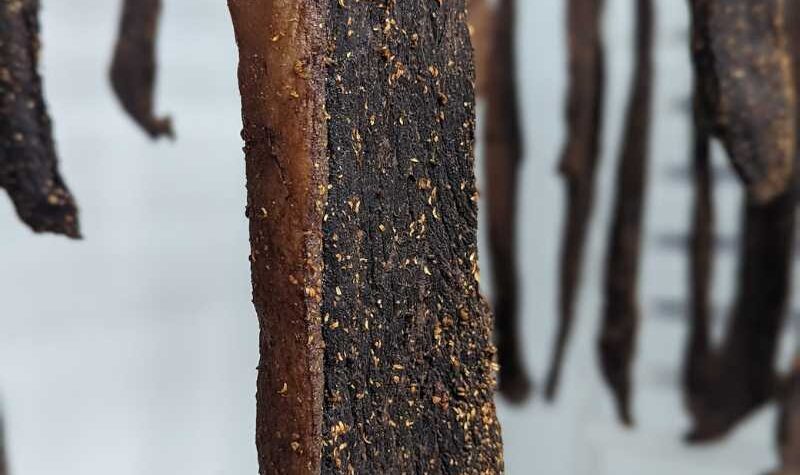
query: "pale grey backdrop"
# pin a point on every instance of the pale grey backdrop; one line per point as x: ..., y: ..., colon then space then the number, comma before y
x: 134, y: 351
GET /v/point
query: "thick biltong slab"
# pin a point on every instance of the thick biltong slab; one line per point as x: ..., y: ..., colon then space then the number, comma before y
x: 579, y: 161
x: 133, y: 68
x: 617, y: 339
x: 741, y: 56
x: 28, y: 162
x: 409, y: 365
x: 503, y: 153
x: 376, y: 352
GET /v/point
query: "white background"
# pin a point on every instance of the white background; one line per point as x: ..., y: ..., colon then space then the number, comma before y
x: 134, y: 351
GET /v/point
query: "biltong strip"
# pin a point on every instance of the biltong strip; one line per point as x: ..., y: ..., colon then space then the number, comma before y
x: 409, y: 364
x: 617, y: 339
x: 501, y: 164
x: 284, y: 133
x: 701, y: 257
x: 741, y: 56
x: 133, y: 68
x: 376, y: 352
x: 28, y: 162
x: 579, y: 161
x: 741, y: 376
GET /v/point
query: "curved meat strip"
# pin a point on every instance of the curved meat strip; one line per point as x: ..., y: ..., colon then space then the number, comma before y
x: 28, y: 162
x: 701, y: 256
x: 501, y: 163
x: 133, y: 68
x: 578, y: 161
x: 617, y: 339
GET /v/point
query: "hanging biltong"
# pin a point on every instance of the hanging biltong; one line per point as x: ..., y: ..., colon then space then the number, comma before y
x: 742, y: 60
x: 579, y: 160
x: 133, y: 68
x: 28, y: 163
x: 376, y: 352
x: 697, y: 359
x: 741, y: 377
x: 617, y: 339
x: 501, y: 164
x: 726, y: 385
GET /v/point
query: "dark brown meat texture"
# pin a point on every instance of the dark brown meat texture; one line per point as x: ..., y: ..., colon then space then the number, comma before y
x: 28, y: 163
x: 579, y: 161
x: 740, y: 377
x: 133, y: 68
x: 376, y: 352
x: 409, y: 365
x: 501, y: 163
x: 742, y: 59
x: 286, y: 164
x: 617, y: 340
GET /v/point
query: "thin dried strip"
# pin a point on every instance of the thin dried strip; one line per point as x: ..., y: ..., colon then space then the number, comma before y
x: 28, y: 162
x: 501, y: 164
x: 741, y: 377
x: 376, y: 352
x: 742, y: 59
x: 701, y: 256
x: 133, y: 68
x: 578, y: 161
x: 617, y: 340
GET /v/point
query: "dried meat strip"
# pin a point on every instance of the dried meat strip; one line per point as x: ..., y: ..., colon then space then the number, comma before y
x: 617, y: 340
x: 376, y: 352
x: 701, y: 256
x: 133, y: 68
x: 726, y: 385
x: 741, y: 57
x: 579, y: 161
x: 741, y: 377
x: 28, y: 162
x: 503, y: 154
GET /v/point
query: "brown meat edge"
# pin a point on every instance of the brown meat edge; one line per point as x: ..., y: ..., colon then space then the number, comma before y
x: 281, y: 77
